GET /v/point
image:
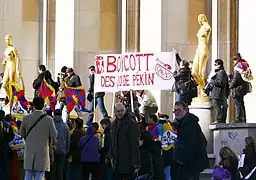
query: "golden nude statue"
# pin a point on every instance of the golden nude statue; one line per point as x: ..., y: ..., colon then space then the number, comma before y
x: 202, y: 54
x: 11, y: 63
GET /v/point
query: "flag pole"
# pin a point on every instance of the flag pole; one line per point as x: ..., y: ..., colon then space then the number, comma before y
x: 132, y: 104
x: 94, y: 107
x: 113, y: 103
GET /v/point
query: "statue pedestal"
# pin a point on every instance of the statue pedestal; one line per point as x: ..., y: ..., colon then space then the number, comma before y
x: 231, y: 135
x: 203, y: 110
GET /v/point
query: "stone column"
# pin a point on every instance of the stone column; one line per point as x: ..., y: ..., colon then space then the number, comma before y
x: 64, y: 34
x: 132, y: 25
x: 246, y: 44
x: 227, y: 41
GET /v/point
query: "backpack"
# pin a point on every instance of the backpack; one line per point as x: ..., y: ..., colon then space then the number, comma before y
x: 220, y: 173
x: 168, y: 136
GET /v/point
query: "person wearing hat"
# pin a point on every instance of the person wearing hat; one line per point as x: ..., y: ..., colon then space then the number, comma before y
x: 73, y: 80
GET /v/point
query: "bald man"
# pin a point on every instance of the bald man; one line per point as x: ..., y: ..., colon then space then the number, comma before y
x: 124, y: 149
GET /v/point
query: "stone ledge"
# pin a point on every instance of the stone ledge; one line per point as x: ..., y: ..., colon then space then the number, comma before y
x: 232, y: 126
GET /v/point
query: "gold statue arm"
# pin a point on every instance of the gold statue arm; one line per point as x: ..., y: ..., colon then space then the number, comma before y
x: 17, y: 58
x: 4, y: 62
x: 206, y: 31
x: 22, y: 86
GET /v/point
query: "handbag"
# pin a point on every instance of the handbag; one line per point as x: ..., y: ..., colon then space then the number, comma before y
x: 32, y: 127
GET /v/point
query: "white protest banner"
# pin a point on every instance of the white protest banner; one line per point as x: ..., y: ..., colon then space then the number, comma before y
x: 134, y: 71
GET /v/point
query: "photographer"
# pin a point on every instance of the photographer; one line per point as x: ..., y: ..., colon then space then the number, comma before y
x: 61, y: 98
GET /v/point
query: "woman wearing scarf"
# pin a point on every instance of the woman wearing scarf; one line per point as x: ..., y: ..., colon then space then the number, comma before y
x: 240, y: 85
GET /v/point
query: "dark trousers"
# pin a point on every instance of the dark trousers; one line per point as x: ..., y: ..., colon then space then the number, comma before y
x: 240, y: 109
x: 220, y: 107
x: 90, y: 168
x: 74, y: 171
x: 57, y: 169
x: 100, y: 102
x: 121, y: 176
x: 185, y: 173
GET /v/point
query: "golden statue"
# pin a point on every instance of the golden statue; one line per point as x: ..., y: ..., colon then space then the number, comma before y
x: 11, y: 63
x: 202, y: 54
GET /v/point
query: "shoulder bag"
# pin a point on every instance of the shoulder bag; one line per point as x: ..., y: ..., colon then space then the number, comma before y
x: 32, y: 127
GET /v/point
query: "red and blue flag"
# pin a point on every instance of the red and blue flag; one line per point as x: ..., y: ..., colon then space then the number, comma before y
x: 47, y: 92
x: 19, y: 102
x: 75, y: 98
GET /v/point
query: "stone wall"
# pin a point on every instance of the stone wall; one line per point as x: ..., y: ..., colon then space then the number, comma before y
x: 21, y: 20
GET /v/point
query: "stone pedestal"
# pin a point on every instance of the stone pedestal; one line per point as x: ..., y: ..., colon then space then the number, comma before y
x: 203, y: 110
x: 231, y: 135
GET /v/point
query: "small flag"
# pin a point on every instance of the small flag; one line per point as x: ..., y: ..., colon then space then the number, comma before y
x: 19, y: 102
x: 75, y: 98
x: 47, y: 92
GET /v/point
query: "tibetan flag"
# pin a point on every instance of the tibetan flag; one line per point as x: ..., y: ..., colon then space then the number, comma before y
x: 19, y: 102
x: 152, y: 127
x: 245, y: 71
x: 75, y: 98
x: 47, y: 92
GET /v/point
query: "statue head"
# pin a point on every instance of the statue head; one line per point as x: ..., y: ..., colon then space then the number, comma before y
x: 8, y: 39
x: 202, y: 19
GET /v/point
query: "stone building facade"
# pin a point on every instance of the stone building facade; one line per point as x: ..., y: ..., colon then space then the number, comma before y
x: 71, y: 32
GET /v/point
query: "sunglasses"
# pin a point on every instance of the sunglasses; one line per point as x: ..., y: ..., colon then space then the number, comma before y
x: 176, y: 110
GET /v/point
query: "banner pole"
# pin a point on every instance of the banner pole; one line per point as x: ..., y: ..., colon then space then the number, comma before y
x: 132, y: 104
x: 113, y: 104
x: 94, y: 106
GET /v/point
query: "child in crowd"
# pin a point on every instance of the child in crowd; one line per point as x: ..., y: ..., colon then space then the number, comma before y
x: 90, y: 156
x: 167, y: 137
x: 96, y: 129
x: 152, y: 127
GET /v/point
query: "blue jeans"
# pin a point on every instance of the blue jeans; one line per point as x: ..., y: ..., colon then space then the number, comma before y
x: 107, y: 172
x: 167, y: 172
x: 34, y: 175
x: 99, y: 101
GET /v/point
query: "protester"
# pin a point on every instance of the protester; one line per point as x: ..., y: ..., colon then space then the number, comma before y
x: 72, y: 80
x: 239, y: 84
x: 43, y: 74
x: 218, y: 91
x: 63, y: 143
x: 151, y: 165
x: 98, y: 99
x: 191, y: 144
x: 184, y: 84
x: 124, y: 149
x: 6, y: 135
x: 37, y: 127
x: 167, y: 138
x: 147, y: 104
x: 74, y: 166
x: 249, y: 159
x: 106, y: 141
x: 229, y: 161
x: 90, y: 156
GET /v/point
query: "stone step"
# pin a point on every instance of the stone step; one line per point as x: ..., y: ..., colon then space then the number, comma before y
x: 206, y: 174
x: 211, y: 158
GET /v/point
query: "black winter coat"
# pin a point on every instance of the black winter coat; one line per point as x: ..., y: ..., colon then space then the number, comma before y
x: 191, y: 144
x: 73, y: 81
x: 150, y: 158
x: 6, y: 135
x: 182, y: 76
x: 107, y: 141
x: 237, y: 85
x: 124, y: 148
x: 91, y: 88
x: 38, y: 81
x: 219, y: 85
